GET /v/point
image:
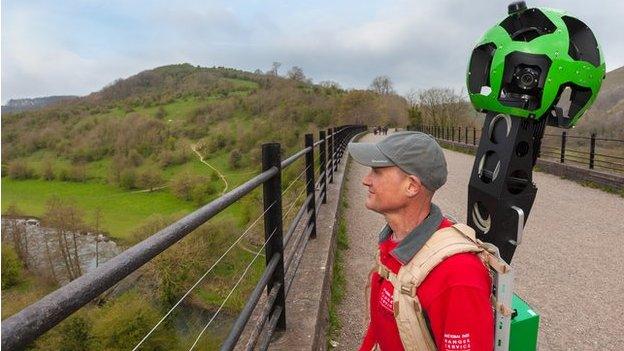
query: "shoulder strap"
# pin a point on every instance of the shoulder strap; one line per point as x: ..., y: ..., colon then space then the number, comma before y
x: 443, y: 243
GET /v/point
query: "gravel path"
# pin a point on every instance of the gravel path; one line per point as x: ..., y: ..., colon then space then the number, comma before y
x: 569, y: 268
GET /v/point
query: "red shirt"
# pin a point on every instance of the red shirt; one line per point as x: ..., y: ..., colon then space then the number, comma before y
x: 455, y: 297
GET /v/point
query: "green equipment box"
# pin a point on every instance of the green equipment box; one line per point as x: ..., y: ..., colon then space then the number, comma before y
x: 524, y: 326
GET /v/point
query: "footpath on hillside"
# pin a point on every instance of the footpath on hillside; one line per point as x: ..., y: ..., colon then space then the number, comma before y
x: 569, y: 268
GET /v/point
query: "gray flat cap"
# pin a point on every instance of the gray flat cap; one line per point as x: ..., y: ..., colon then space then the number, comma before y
x: 415, y: 153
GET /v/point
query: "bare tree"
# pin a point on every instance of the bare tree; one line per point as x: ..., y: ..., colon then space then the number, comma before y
x: 49, y: 258
x: 274, y: 71
x: 66, y: 221
x: 97, y: 220
x: 330, y: 84
x: 16, y: 233
x: 414, y: 113
x: 382, y: 85
x: 296, y: 73
x: 442, y: 106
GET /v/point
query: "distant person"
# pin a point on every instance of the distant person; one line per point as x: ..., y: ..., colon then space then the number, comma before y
x: 420, y: 300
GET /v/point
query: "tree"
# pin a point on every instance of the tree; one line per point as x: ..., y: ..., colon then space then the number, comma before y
x: 296, y: 73
x: 274, y: 69
x: 47, y: 172
x: 442, y: 106
x: 359, y: 107
x: 413, y: 111
x: 66, y: 220
x: 150, y: 178
x: 128, y: 179
x: 330, y: 84
x: 235, y: 159
x: 97, y: 221
x: 16, y: 233
x: 188, y: 186
x: 19, y: 169
x: 382, y: 85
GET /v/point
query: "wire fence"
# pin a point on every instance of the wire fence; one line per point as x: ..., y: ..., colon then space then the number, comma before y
x: 25, y: 326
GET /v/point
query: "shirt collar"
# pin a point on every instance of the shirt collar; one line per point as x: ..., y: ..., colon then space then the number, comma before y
x: 416, y: 239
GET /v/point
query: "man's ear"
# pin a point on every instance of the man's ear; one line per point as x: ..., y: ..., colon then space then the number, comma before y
x: 415, y: 186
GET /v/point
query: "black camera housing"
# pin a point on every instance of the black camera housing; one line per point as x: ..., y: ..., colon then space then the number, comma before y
x: 523, y: 80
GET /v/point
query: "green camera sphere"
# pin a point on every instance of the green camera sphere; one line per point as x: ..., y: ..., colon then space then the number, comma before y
x: 523, y: 65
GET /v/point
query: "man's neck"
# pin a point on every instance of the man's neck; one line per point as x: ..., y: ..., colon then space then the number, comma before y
x: 405, y: 220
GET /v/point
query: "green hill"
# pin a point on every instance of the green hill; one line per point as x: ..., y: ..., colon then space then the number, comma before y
x: 142, y: 129
x: 129, y: 158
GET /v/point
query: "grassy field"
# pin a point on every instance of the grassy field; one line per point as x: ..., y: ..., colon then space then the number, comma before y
x: 122, y: 210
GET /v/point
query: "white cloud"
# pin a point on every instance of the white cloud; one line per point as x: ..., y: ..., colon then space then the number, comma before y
x: 417, y: 44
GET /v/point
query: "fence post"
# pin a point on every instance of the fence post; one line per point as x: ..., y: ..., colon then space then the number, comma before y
x: 272, y: 196
x: 323, y: 162
x: 474, y: 135
x: 466, y: 135
x: 592, y: 151
x: 453, y: 133
x: 563, y: 143
x: 330, y: 154
x: 337, y: 148
x: 309, y: 158
x: 459, y: 134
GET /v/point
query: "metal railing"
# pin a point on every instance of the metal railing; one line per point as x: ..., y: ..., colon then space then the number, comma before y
x: 25, y: 326
x: 576, y: 150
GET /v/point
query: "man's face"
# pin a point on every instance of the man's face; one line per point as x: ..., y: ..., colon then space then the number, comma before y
x: 386, y: 189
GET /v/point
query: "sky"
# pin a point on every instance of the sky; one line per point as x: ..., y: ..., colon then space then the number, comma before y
x: 78, y: 47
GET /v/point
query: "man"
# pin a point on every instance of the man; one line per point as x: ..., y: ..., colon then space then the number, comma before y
x: 453, y: 295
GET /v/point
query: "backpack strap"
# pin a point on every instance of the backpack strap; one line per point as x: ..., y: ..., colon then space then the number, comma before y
x: 408, y: 311
x: 444, y: 243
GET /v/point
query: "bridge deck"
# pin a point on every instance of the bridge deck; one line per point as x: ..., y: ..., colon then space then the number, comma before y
x: 570, y: 267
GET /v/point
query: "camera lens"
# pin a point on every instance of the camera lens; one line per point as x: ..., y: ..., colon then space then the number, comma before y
x: 527, y: 78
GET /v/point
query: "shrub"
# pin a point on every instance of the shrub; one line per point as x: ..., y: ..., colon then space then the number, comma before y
x: 216, y: 143
x: 75, y: 173
x: 122, y: 323
x: 149, y: 178
x: 182, y: 185
x: 191, y: 187
x: 128, y: 179
x: 160, y: 113
x: 135, y: 158
x: 176, y: 157
x: 19, y: 169
x: 11, y: 267
x: 76, y: 334
x: 47, y: 171
x: 235, y: 159
x: 201, y: 191
x: 78, y: 173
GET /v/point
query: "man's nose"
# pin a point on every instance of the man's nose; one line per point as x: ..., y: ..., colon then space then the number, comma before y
x: 366, y: 181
